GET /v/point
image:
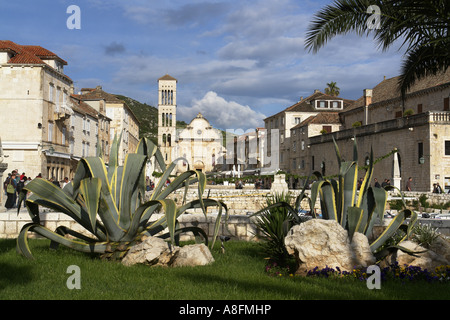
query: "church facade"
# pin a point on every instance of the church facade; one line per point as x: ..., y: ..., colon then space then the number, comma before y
x: 199, y: 145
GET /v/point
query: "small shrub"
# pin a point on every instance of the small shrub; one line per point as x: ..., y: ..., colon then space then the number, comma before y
x: 423, y: 200
x: 424, y: 235
x: 396, y: 205
x: 408, y: 112
x: 273, y: 225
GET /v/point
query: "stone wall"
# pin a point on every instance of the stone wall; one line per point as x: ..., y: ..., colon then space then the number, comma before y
x: 241, y: 204
x: 237, y: 227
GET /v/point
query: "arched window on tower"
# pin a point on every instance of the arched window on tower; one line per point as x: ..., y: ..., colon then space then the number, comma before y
x: 164, y: 139
x: 169, y: 140
x: 170, y: 120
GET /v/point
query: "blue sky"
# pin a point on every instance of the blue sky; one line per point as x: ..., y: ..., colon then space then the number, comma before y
x: 237, y: 62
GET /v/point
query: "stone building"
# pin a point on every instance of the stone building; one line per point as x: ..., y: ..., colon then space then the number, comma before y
x: 199, y: 143
x: 282, y: 122
x: 167, y: 117
x: 123, y: 120
x: 417, y: 128
x: 302, y: 163
x: 35, y: 110
x: 88, y: 127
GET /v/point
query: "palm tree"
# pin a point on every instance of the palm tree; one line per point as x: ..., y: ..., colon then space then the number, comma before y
x: 421, y: 26
x: 332, y: 89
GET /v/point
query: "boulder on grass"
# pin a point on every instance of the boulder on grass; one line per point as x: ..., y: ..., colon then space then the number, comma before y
x: 193, y: 255
x: 423, y: 258
x: 325, y: 243
x: 154, y: 251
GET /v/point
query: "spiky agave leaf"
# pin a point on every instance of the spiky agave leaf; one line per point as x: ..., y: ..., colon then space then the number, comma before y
x: 47, y: 194
x: 23, y: 248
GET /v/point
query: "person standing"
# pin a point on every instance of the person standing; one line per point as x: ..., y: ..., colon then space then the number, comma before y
x: 409, y: 184
x: 65, y: 182
x: 438, y: 188
x: 11, y: 192
x: 377, y: 184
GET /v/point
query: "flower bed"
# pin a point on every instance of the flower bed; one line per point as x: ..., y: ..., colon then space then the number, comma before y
x: 393, y: 272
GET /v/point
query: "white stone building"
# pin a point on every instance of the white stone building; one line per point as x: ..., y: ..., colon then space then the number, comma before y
x: 88, y: 127
x: 199, y: 143
x: 123, y: 120
x: 282, y: 122
x: 34, y: 110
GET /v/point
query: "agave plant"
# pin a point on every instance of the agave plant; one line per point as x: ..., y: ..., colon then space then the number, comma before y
x: 274, y: 222
x: 108, y: 201
x: 357, y: 211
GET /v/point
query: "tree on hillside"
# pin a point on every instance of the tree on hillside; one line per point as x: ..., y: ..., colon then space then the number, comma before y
x: 421, y: 26
x: 332, y: 89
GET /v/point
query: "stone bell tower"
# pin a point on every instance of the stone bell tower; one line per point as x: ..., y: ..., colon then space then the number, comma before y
x: 167, y: 116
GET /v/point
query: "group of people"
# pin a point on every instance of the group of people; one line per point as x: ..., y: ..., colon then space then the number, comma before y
x: 15, y: 182
x: 385, y: 183
x: 12, y: 186
x: 437, y: 188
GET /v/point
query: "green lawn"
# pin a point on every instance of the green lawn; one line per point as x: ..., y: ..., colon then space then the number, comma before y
x: 236, y: 275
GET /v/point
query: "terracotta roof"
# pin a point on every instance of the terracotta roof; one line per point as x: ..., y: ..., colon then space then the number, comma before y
x: 305, y: 105
x: 98, y: 94
x: 43, y: 53
x: 167, y: 77
x: 387, y: 90
x: 28, y: 54
x: 321, y: 118
x: 82, y: 107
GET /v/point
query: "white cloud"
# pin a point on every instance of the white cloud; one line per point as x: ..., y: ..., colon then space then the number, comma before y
x: 222, y: 114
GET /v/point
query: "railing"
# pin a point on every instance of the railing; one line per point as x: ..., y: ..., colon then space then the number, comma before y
x: 441, y: 117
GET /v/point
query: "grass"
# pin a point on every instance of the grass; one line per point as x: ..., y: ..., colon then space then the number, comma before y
x: 239, y: 274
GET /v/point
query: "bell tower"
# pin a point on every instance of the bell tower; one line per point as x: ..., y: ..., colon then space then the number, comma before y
x: 167, y: 116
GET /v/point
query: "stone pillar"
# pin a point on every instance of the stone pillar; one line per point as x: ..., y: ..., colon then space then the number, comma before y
x: 3, y: 167
x: 397, y: 178
x: 279, y: 184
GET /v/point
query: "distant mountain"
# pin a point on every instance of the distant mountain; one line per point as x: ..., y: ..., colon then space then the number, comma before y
x: 148, y: 118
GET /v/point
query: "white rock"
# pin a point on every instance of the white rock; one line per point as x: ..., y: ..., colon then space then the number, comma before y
x: 155, y: 251
x: 324, y: 243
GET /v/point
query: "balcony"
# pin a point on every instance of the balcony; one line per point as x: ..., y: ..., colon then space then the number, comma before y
x: 62, y: 111
x: 430, y: 117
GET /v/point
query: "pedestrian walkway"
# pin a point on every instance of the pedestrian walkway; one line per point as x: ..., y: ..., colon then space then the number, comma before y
x: 4, y: 210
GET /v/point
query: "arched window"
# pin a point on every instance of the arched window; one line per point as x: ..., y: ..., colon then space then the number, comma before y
x: 169, y: 140
x: 164, y: 139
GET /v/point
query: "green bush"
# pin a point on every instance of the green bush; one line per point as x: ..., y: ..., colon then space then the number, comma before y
x: 423, y: 200
x: 273, y: 224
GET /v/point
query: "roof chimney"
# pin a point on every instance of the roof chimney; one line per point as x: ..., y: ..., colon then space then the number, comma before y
x: 316, y: 91
x: 367, y: 97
